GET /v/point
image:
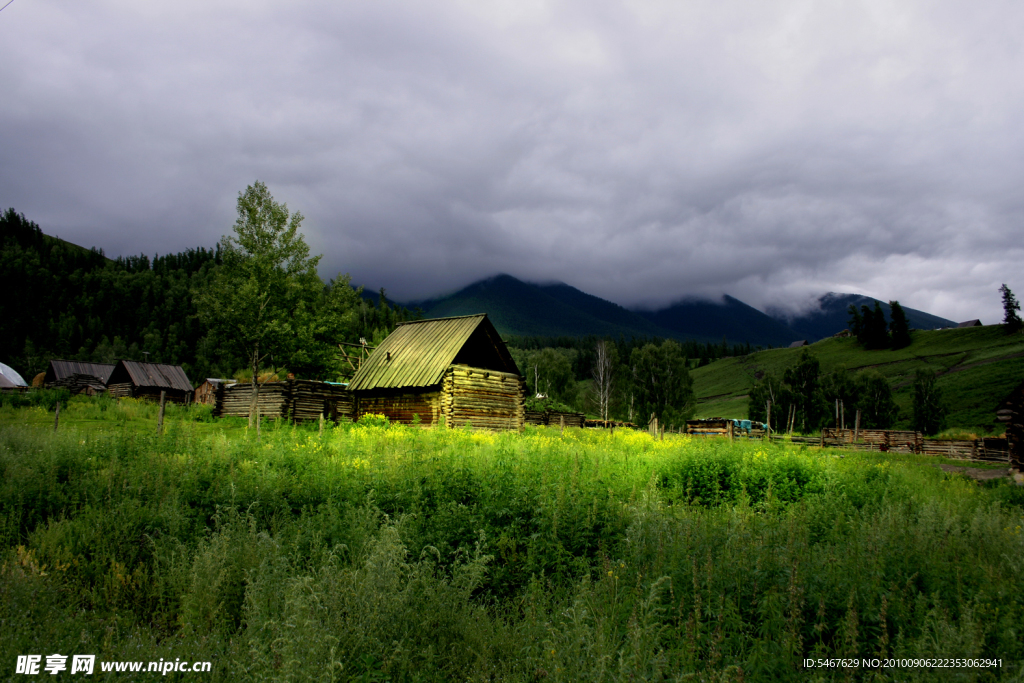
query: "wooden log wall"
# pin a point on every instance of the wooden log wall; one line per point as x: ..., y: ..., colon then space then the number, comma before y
x: 299, y: 400
x: 120, y: 390
x: 234, y: 400
x: 310, y: 398
x: 486, y: 399
x: 400, y: 406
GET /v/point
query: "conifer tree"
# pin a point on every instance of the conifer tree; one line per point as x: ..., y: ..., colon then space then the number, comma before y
x: 1010, y: 307
x: 898, y: 326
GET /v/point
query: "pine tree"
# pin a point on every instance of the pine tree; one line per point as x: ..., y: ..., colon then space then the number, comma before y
x: 898, y: 326
x: 1010, y: 307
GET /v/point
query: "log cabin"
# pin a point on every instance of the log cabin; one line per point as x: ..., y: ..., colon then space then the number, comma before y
x: 456, y: 371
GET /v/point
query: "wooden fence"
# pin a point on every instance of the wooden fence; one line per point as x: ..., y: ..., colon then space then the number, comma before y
x: 899, y: 441
x: 554, y: 418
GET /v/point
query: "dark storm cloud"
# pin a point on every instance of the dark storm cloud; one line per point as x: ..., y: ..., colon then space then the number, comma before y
x: 640, y: 151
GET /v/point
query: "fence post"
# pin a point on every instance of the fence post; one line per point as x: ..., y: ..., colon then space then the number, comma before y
x: 768, y: 424
x: 856, y: 427
x: 56, y: 415
x: 730, y: 430
x: 160, y: 416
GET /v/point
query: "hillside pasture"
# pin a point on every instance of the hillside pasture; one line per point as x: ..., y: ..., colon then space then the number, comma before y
x: 977, y: 367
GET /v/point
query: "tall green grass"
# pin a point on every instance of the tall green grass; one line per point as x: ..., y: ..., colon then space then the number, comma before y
x: 376, y: 552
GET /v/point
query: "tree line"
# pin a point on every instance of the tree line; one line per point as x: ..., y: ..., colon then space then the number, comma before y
x: 64, y: 301
x: 804, y: 399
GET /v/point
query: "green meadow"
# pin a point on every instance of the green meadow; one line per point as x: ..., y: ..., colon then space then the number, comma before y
x: 375, y: 552
x: 976, y: 367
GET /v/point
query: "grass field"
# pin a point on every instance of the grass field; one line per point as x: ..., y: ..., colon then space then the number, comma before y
x: 384, y: 553
x: 977, y: 368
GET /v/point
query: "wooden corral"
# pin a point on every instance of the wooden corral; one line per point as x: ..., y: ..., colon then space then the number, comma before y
x: 1011, y: 413
x: 721, y: 426
x: 555, y: 418
x: 902, y: 441
x: 457, y: 369
x: 133, y: 379
x: 299, y: 400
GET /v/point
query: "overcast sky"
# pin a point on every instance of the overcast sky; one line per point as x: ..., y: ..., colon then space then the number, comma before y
x: 641, y: 151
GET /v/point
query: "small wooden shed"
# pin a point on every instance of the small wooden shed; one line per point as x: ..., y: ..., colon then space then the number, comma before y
x: 207, y: 391
x: 456, y: 369
x: 146, y: 380
x: 1011, y: 413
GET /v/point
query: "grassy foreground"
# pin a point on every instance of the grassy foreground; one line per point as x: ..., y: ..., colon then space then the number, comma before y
x: 384, y: 553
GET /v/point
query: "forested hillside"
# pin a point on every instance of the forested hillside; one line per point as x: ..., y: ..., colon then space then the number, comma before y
x: 974, y: 369
x: 63, y: 301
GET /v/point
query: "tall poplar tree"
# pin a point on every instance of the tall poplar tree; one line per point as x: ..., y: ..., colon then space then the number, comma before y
x: 264, y: 295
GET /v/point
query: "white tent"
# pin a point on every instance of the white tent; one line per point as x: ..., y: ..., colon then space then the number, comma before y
x: 10, y: 378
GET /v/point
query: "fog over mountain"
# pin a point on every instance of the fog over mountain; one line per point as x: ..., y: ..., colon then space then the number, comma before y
x: 642, y: 152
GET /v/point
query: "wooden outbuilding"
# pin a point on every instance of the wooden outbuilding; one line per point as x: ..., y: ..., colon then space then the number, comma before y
x: 970, y: 323
x: 453, y: 369
x: 798, y: 344
x: 1011, y: 413
x: 78, y: 377
x: 206, y: 392
x: 133, y: 379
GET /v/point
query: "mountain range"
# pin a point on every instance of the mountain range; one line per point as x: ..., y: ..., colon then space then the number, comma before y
x: 557, y: 309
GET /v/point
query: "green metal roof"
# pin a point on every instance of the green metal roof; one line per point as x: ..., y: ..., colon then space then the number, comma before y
x: 417, y: 353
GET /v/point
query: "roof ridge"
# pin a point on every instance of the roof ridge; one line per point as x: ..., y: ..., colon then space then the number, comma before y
x: 450, y: 317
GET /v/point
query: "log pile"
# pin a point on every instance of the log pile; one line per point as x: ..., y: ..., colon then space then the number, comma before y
x: 487, y: 399
x: 79, y: 383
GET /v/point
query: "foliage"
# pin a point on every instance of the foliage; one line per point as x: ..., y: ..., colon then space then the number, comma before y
x: 814, y: 397
x: 1010, y: 307
x: 661, y: 382
x: 803, y: 382
x: 549, y: 371
x: 63, y: 301
x: 899, y: 328
x: 382, y: 552
x: 263, y: 297
x: 877, y: 407
x: 929, y: 407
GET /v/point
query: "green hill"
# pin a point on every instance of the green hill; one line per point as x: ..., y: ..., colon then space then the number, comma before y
x: 977, y: 368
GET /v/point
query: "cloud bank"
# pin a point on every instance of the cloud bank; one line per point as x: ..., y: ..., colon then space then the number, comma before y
x: 641, y: 151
